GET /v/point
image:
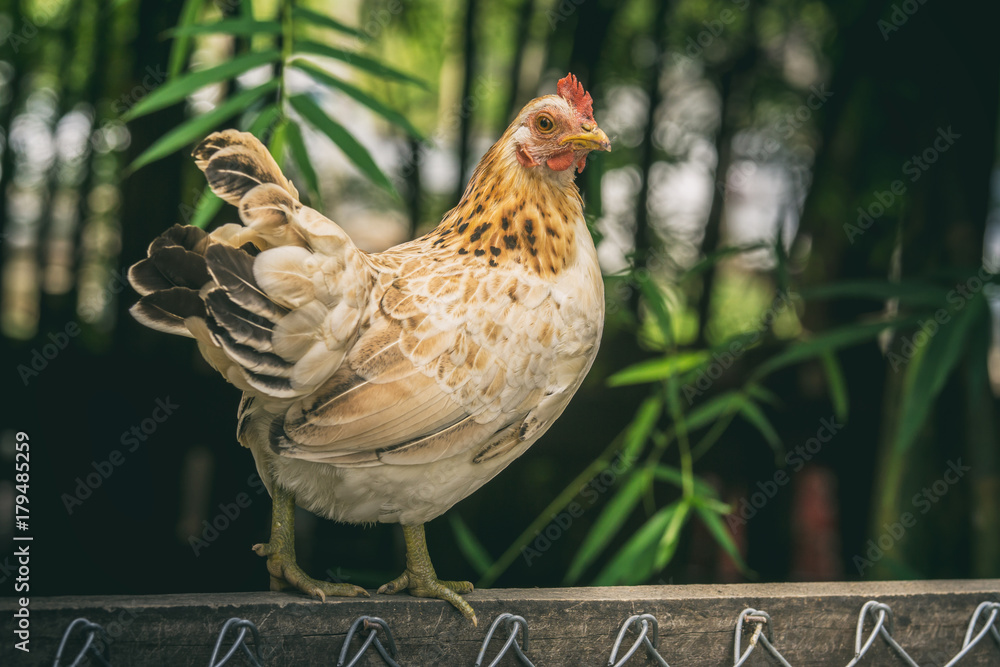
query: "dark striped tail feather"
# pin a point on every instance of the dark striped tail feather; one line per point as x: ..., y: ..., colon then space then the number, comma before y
x: 169, y: 280
x: 199, y: 285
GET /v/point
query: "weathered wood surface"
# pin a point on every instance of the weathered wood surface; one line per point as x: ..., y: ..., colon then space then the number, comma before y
x: 813, y: 624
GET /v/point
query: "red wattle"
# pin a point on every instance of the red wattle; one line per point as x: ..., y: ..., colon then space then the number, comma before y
x: 560, y: 161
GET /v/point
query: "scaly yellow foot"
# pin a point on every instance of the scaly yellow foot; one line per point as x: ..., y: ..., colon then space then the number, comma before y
x: 421, y: 580
x: 280, y: 552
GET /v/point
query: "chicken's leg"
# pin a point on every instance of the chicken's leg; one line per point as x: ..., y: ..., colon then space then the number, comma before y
x: 421, y: 580
x: 280, y: 552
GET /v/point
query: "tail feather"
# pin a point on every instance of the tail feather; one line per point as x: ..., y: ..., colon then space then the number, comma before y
x: 250, y: 294
x: 232, y: 269
x: 165, y: 310
x: 236, y: 162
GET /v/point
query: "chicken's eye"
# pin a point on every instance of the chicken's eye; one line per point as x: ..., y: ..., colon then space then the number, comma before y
x: 545, y: 123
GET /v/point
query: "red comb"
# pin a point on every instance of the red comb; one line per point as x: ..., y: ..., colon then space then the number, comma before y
x: 572, y: 91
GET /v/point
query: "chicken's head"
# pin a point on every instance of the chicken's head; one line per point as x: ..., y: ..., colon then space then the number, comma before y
x: 557, y: 132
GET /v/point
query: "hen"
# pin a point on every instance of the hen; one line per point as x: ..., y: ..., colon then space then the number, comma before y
x: 387, y: 387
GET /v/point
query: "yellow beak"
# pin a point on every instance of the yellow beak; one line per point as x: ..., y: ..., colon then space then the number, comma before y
x: 595, y: 140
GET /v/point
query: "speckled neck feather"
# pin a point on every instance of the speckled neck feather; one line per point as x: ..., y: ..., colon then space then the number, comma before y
x: 512, y: 214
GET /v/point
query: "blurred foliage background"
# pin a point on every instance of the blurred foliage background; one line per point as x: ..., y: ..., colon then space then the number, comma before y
x: 799, y: 224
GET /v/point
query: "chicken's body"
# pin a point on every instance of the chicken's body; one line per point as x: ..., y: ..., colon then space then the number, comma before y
x: 387, y: 387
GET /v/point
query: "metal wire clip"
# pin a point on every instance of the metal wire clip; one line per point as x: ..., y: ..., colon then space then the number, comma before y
x: 990, y: 625
x: 372, y: 624
x: 91, y: 629
x: 761, y: 619
x: 513, y: 624
x: 883, y: 621
x: 647, y: 621
x: 254, y: 658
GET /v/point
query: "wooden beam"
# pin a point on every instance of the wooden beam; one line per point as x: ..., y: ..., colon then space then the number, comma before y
x: 813, y: 624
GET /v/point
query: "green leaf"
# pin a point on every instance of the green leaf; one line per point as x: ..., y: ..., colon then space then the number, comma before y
x: 242, y: 27
x: 316, y: 19
x: 356, y: 60
x: 195, y: 128
x: 265, y: 120
x: 390, y: 115
x: 634, y: 561
x: 657, y: 304
x: 667, y: 547
x: 722, y: 535
x: 756, y: 417
x: 608, y: 523
x: 927, y: 375
x: 640, y: 427
x: 276, y: 147
x: 712, y: 409
x: 661, y: 368
x: 674, y: 476
x: 471, y: 548
x: 838, y: 338
x: 762, y: 394
x: 206, y: 209
x: 714, y: 258
x: 302, y: 161
x: 177, y: 89
x: 182, y: 46
x: 357, y: 153
x: 837, y: 385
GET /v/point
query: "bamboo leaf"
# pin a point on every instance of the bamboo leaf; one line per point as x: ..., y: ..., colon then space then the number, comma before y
x: 314, y: 18
x: 390, y: 115
x: 838, y: 338
x: 242, y: 27
x: 927, y: 375
x: 303, y: 162
x: 279, y: 137
x: 608, y: 523
x: 471, y: 548
x: 712, y: 409
x: 667, y: 547
x: 640, y: 427
x: 177, y: 89
x: 356, y: 60
x: 674, y: 476
x: 837, y: 385
x: 634, y: 561
x: 753, y: 414
x: 357, y: 153
x: 722, y: 253
x: 660, y: 368
x: 722, y: 536
x: 182, y: 46
x: 208, y: 206
x: 657, y: 304
x: 265, y: 120
x: 195, y: 128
